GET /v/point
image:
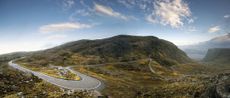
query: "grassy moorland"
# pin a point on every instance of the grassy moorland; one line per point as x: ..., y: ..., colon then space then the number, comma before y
x: 16, y: 84
x: 123, y: 64
x: 131, y: 80
x: 135, y: 80
x: 51, y: 71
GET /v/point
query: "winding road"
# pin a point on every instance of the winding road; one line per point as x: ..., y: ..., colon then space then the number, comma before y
x: 86, y: 82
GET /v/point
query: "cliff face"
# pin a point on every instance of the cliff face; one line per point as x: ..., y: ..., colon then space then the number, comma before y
x: 218, y: 55
x: 198, y: 51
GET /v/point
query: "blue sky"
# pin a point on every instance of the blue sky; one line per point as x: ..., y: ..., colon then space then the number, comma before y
x: 27, y: 25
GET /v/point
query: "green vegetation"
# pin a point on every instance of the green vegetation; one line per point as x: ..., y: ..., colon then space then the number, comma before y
x: 126, y: 71
x: 50, y: 71
x: 123, y: 63
x: 16, y: 84
x: 135, y: 80
x: 218, y: 56
x: 120, y: 48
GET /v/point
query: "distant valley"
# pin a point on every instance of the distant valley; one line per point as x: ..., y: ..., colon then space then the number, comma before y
x: 198, y: 51
x: 218, y: 56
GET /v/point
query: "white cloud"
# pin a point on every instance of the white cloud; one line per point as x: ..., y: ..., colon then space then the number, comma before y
x: 108, y: 11
x: 226, y: 16
x: 82, y: 12
x: 56, y: 37
x: 190, y: 21
x: 144, y: 5
x: 169, y: 12
x: 214, y: 29
x: 127, y: 3
x: 150, y: 18
x: 62, y: 27
x: 67, y: 4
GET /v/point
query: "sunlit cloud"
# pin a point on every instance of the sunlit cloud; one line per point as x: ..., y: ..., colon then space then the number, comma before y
x: 214, y: 29
x: 59, y: 27
x: 170, y: 12
x: 108, y: 11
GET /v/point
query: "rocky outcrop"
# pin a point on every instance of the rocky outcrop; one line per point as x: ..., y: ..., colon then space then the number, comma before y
x: 219, y: 87
x: 223, y: 88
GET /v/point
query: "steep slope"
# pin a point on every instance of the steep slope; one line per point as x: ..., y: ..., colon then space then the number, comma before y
x: 198, y: 51
x: 218, y: 56
x: 126, y: 48
x: 122, y: 62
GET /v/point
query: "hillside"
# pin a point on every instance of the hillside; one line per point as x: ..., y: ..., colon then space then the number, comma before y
x: 122, y: 63
x: 218, y: 56
x: 10, y: 56
x: 198, y: 51
x: 115, y: 49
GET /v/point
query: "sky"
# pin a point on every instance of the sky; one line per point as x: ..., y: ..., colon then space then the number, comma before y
x: 29, y: 25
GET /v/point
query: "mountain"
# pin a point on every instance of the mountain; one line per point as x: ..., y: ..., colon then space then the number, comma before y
x: 116, y: 49
x: 218, y: 56
x: 10, y: 56
x: 198, y: 51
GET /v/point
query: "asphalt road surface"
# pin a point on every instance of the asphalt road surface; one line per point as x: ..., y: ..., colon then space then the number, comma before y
x: 86, y: 82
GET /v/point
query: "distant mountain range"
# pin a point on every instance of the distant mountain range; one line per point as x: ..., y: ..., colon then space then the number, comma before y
x: 10, y: 56
x: 198, y: 51
x: 220, y: 56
